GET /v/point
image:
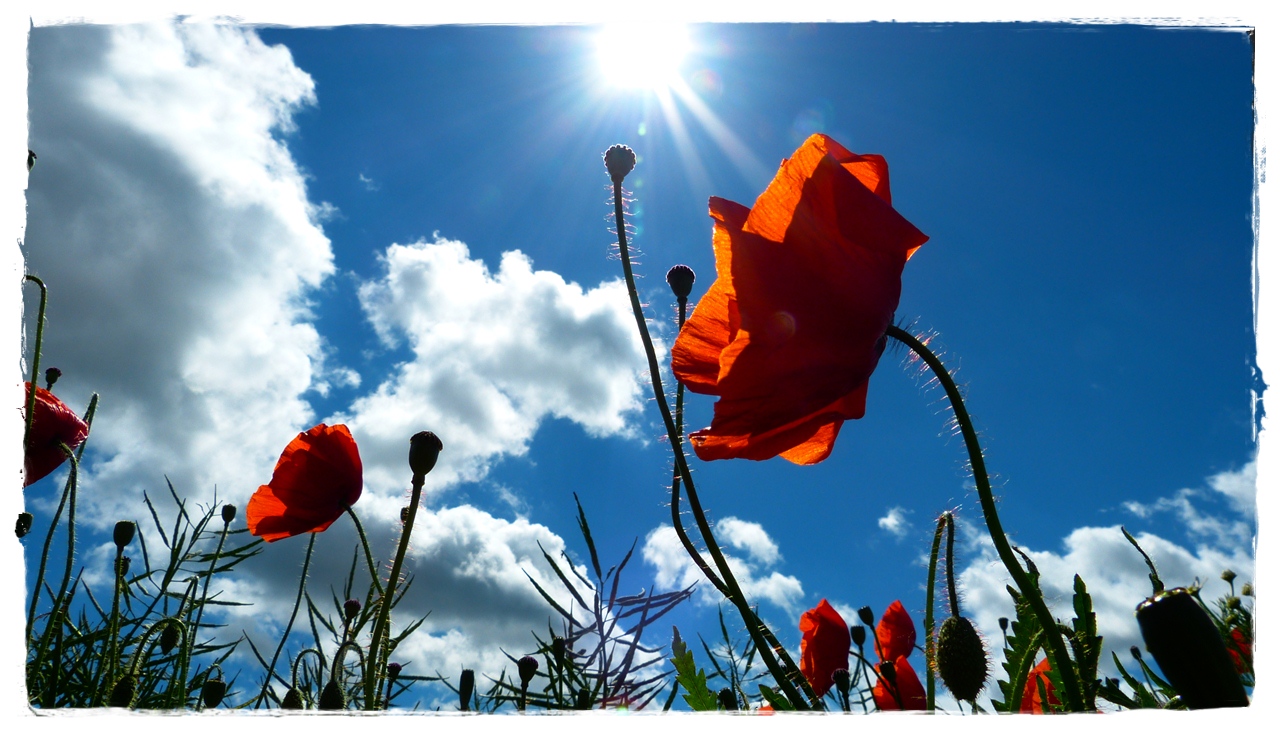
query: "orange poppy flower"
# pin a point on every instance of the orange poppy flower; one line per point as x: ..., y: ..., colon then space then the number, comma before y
x: 824, y: 646
x: 807, y: 283
x: 53, y: 423
x: 1031, y: 702
x: 905, y: 683
x: 318, y: 476
x: 895, y: 634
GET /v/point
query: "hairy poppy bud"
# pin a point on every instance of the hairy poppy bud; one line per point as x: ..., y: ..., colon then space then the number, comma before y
x: 727, y: 700
x: 466, y: 685
x: 168, y: 638
x: 619, y: 160
x: 680, y: 278
x: 351, y: 608
x: 331, y: 697
x: 24, y: 524
x: 1190, y: 651
x: 122, y: 693
x: 228, y: 513
x: 961, y: 658
x: 213, y: 692
x: 858, y: 633
x: 867, y: 616
x: 424, y: 449
x: 50, y: 377
x: 528, y: 667
x: 123, y: 534
x: 292, y: 700
x: 557, y: 651
x: 584, y: 699
x: 393, y: 671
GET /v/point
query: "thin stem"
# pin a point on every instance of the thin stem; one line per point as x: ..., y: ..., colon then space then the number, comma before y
x: 35, y: 359
x: 929, y: 648
x: 204, y: 596
x: 114, y: 626
x: 302, y: 584
x: 368, y: 554
x: 1057, y: 650
x: 951, y: 573
x: 769, y: 650
x: 372, y: 670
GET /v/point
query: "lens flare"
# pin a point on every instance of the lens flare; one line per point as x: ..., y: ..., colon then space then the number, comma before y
x: 642, y: 55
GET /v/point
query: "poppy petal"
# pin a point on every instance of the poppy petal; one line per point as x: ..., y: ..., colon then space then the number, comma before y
x: 318, y: 476
x: 824, y: 645
x: 907, y: 685
x: 895, y: 634
x: 53, y: 423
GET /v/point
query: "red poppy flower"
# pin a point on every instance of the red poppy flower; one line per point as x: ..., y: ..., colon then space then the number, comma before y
x: 824, y: 646
x: 807, y: 283
x: 318, y: 476
x: 1031, y: 702
x: 1241, y: 651
x: 905, y: 683
x: 53, y: 423
x: 895, y: 634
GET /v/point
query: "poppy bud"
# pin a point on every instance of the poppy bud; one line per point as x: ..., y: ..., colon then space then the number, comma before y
x: 124, y: 532
x: 528, y: 667
x: 727, y: 700
x: 351, y: 608
x: 466, y: 685
x: 213, y: 692
x: 859, y: 634
x: 424, y: 449
x: 584, y: 699
x: 331, y: 697
x: 680, y: 278
x: 1137, y: 654
x: 168, y: 638
x: 122, y: 693
x: 50, y: 377
x: 867, y: 616
x: 557, y: 651
x: 961, y: 658
x: 840, y: 678
x: 24, y: 524
x: 228, y: 513
x: 1004, y: 623
x: 619, y: 160
x: 393, y: 671
x: 292, y: 700
x: 1233, y: 603
x: 1229, y: 576
x: 1246, y: 589
x: 889, y: 673
x: 1190, y: 651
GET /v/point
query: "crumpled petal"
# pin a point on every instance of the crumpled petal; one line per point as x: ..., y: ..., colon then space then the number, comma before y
x: 53, y: 423
x: 824, y: 645
x: 895, y: 634
x: 907, y: 683
x: 317, y: 477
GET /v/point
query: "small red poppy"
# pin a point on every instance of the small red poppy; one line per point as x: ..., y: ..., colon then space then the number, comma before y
x: 1241, y: 651
x: 895, y: 634
x: 1031, y: 702
x: 824, y: 646
x: 907, y: 685
x: 808, y: 280
x: 317, y: 477
x: 54, y: 423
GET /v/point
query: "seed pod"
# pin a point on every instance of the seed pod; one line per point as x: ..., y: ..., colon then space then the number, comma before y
x: 961, y: 658
x: 859, y: 634
x: 351, y: 608
x: 168, y: 638
x: 393, y: 671
x: 331, y: 698
x: 292, y: 700
x: 466, y: 685
x: 840, y: 678
x: 123, y: 534
x: 680, y: 278
x: 727, y: 700
x: 213, y: 692
x: 228, y: 513
x: 619, y: 160
x: 528, y: 667
x: 867, y: 616
x: 51, y: 376
x: 557, y: 652
x: 122, y: 693
x: 24, y: 524
x: 424, y: 450
x: 1189, y: 650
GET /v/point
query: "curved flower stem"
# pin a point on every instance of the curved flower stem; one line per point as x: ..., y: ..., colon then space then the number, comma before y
x: 368, y: 554
x: 770, y: 649
x: 1057, y: 650
x: 35, y: 359
x: 302, y: 584
x: 929, y: 648
x: 55, y: 615
x: 372, y: 668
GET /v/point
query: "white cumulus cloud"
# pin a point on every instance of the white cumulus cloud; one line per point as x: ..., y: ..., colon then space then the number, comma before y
x: 895, y: 522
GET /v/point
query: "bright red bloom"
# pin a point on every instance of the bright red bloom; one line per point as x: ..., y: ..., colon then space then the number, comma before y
x: 318, y: 476
x: 1241, y: 651
x: 895, y: 634
x: 824, y: 646
x: 1031, y: 693
x: 53, y: 423
x: 807, y: 283
x: 907, y: 685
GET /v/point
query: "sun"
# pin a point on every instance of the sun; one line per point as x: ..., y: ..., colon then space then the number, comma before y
x: 642, y: 55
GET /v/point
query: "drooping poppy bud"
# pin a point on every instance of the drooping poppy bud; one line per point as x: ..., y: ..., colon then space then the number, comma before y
x: 122, y: 693
x: 169, y: 638
x: 727, y: 700
x: 859, y: 634
x: 584, y: 699
x: 292, y: 700
x: 961, y: 658
x: 466, y: 685
x: 619, y: 160
x: 24, y: 524
x: 228, y: 513
x: 124, y: 532
x: 528, y: 667
x: 351, y: 608
x: 51, y: 376
x: 331, y: 698
x: 680, y: 278
x: 213, y: 692
x: 424, y: 450
x: 867, y: 616
x: 1190, y: 651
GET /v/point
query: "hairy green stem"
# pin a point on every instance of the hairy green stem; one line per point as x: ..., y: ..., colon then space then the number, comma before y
x: 35, y: 359
x: 929, y: 643
x: 1057, y: 650
x: 951, y: 573
x: 372, y: 670
x: 302, y: 584
x: 368, y: 554
x: 770, y: 651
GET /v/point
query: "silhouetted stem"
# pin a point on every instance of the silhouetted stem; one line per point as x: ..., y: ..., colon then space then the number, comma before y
x: 929, y: 648
x: 1057, y: 650
x: 372, y: 668
x: 35, y: 359
x: 368, y: 554
x: 204, y: 596
x: 770, y: 650
x: 302, y: 584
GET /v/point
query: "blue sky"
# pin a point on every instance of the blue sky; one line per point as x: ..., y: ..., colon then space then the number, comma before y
x: 249, y: 231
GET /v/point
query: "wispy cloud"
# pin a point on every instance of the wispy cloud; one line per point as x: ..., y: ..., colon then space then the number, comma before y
x: 895, y: 522
x: 369, y: 183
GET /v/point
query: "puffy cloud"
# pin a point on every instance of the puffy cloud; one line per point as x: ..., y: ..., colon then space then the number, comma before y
x: 749, y: 536
x: 896, y: 522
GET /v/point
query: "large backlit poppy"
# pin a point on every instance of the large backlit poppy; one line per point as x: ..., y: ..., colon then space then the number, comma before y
x: 906, y: 686
x: 895, y: 634
x: 1031, y: 702
x: 824, y: 645
x: 318, y: 476
x: 53, y: 423
x: 807, y: 282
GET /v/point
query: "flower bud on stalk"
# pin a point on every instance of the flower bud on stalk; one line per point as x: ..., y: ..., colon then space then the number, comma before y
x: 50, y: 377
x: 727, y: 700
x: 466, y: 685
x: 1190, y: 651
x: 228, y: 513
x: 351, y: 608
x: 840, y: 678
x: 292, y: 700
x: 24, y: 524
x: 528, y: 667
x: 168, y: 638
x: 680, y: 278
x: 213, y: 692
x: 557, y: 652
x: 619, y: 160
x: 867, y: 616
x: 859, y: 634
x: 122, y: 693
x: 331, y: 697
x: 424, y: 450
x: 393, y: 671
x: 124, y: 532
x: 961, y: 658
